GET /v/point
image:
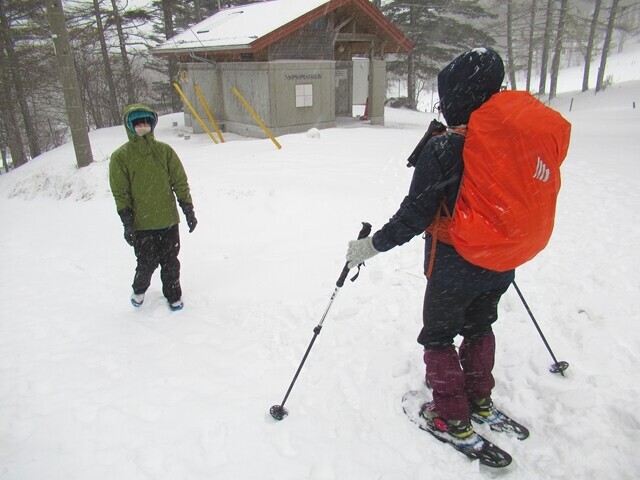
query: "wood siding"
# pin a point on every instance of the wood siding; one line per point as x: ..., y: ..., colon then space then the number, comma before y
x: 303, y: 45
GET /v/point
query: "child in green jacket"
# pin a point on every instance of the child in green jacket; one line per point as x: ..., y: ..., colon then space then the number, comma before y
x: 146, y: 177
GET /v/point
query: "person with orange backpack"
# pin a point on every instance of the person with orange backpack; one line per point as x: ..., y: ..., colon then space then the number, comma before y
x: 484, y: 193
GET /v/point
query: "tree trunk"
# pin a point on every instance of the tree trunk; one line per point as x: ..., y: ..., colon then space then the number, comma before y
x: 69, y: 81
x: 126, y: 66
x: 510, y: 62
x: 545, y: 49
x: 590, y: 42
x: 167, y: 12
x: 623, y: 35
x: 606, y: 45
x: 92, y: 104
x: 411, y: 63
x: 113, y: 94
x: 5, y: 164
x: 557, y: 53
x: 4, y: 167
x: 14, y: 138
x: 411, y: 79
x: 530, y: 55
x: 12, y: 65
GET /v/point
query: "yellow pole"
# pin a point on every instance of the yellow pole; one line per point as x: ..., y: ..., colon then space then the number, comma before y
x: 206, y: 107
x: 179, y: 90
x: 256, y: 117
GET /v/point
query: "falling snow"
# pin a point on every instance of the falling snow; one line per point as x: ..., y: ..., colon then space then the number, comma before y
x: 92, y: 389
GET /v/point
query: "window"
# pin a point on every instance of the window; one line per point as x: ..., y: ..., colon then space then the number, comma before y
x: 304, y: 95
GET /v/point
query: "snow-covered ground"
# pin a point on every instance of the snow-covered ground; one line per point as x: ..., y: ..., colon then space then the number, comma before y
x: 91, y: 388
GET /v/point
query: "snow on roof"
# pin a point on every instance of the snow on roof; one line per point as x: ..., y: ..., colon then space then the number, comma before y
x: 238, y: 27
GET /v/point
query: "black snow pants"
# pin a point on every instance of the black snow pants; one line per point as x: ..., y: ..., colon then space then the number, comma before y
x: 153, y: 248
x: 447, y: 314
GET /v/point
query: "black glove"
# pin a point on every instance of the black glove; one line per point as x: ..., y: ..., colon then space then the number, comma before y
x: 126, y: 216
x: 190, y: 215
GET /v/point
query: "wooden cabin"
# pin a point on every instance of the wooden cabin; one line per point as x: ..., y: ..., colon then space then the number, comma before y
x: 293, y: 61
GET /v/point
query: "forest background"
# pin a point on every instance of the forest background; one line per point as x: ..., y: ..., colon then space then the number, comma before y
x: 110, y: 41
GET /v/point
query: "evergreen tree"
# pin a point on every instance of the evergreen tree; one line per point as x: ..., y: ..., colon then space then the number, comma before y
x: 613, y: 11
x: 13, y: 136
x: 544, y: 61
x: 511, y: 63
x: 171, y: 17
x: 106, y: 61
x: 69, y: 82
x: 13, y: 19
x: 104, y: 37
x: 531, y: 43
x: 557, y: 49
x: 441, y: 29
x: 590, y: 44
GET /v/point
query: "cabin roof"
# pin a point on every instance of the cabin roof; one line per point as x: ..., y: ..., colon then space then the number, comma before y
x: 253, y: 27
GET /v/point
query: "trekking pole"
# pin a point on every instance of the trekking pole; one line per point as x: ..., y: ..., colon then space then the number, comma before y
x: 557, y: 367
x: 278, y: 411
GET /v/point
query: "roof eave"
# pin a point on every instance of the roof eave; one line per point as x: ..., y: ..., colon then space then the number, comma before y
x: 394, y: 32
x: 205, y: 49
x: 405, y: 45
x: 397, y: 34
x: 294, y: 25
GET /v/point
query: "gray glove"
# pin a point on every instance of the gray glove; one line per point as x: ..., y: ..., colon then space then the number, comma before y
x: 359, y: 251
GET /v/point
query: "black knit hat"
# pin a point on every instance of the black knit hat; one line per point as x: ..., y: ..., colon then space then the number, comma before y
x: 468, y: 82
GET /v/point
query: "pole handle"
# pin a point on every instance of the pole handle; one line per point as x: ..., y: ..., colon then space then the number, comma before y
x: 364, y: 232
x: 435, y: 128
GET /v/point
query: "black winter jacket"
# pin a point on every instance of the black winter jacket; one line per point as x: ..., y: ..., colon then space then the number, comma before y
x: 463, y: 86
x: 437, y: 176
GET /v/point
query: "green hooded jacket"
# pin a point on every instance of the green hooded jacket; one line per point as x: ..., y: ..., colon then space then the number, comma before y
x: 146, y: 176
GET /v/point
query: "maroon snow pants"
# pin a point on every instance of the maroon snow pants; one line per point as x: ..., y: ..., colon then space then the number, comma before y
x: 459, y: 377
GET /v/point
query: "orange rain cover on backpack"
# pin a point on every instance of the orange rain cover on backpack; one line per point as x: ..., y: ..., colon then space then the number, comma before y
x: 506, y: 205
